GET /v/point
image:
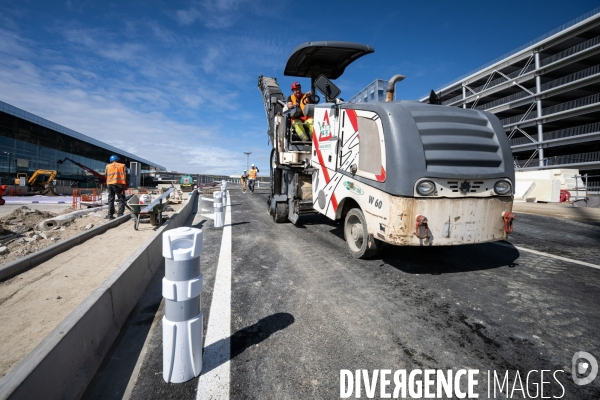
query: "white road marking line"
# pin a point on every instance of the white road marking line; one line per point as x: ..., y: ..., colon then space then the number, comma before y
x: 586, y: 264
x: 208, y: 198
x: 214, y: 380
x: 205, y: 213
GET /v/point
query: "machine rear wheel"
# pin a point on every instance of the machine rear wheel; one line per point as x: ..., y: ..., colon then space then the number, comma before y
x: 2, y: 201
x: 360, y: 242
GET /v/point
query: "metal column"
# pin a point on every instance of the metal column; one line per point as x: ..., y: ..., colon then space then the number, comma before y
x: 540, y: 127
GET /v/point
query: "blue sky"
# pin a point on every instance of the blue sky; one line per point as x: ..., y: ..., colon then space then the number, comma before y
x: 175, y: 82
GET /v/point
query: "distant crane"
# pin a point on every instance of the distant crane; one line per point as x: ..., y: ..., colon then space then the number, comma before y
x: 101, y: 178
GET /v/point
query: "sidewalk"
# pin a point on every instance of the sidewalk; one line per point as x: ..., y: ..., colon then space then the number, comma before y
x: 559, y: 210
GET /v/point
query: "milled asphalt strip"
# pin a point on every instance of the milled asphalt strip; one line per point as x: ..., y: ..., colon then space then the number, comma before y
x: 214, y: 384
x: 586, y: 264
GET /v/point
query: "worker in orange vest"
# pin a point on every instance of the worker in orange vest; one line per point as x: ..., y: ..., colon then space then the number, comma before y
x: 252, y: 178
x: 303, y: 125
x: 116, y: 180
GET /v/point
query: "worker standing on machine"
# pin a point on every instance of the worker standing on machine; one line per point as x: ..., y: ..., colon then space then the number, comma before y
x: 301, y: 123
x: 116, y: 180
x: 244, y: 178
x: 252, y: 177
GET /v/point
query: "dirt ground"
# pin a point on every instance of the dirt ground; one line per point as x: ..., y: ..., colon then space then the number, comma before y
x: 33, y: 303
x: 21, y: 235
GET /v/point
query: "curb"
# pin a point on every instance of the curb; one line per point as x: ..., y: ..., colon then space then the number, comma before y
x: 33, y: 260
x: 65, y: 362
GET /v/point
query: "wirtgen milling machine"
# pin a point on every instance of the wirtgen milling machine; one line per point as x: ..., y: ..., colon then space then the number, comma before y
x: 398, y: 172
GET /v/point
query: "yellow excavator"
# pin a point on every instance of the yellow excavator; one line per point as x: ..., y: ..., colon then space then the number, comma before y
x: 37, y: 182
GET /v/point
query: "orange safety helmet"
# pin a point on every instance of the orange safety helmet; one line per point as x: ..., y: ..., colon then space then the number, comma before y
x: 296, y: 85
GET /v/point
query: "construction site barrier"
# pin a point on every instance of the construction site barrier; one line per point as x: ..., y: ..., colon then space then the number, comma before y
x: 86, y: 196
x: 181, y: 287
x: 15, y: 191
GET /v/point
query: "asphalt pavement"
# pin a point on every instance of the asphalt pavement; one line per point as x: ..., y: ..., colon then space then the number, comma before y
x: 305, y: 315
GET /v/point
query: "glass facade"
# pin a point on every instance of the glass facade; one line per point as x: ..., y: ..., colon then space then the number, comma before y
x: 29, y: 143
x: 374, y: 92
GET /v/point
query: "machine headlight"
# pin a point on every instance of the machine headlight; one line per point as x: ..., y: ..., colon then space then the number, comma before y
x: 502, y: 188
x: 425, y: 188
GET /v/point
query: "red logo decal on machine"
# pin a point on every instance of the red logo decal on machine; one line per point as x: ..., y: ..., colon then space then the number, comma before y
x: 381, y: 177
x: 325, y: 128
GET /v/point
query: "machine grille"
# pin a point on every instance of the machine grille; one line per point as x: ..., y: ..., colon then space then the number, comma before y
x: 457, y: 140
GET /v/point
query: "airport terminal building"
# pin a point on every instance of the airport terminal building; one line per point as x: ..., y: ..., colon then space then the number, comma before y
x: 29, y: 143
x: 546, y: 94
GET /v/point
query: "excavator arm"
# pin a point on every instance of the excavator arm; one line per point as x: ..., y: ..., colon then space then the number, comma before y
x: 41, y: 172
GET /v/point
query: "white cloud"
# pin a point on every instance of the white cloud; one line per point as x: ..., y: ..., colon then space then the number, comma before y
x: 189, y: 16
x: 213, y: 14
x: 170, y: 97
x: 102, y: 113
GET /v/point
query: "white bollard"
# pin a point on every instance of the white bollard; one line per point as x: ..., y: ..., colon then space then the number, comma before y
x: 181, y: 288
x: 224, y: 194
x: 224, y: 201
x: 257, y: 184
x: 219, y: 214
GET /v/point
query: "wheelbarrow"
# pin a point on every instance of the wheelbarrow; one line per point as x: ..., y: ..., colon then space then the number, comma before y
x: 154, y: 210
x: 2, y: 189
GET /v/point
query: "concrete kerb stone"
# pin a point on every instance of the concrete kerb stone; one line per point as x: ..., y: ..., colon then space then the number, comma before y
x: 64, y: 363
x: 33, y: 260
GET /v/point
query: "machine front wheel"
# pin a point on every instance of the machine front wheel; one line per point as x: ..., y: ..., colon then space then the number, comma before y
x: 360, y: 242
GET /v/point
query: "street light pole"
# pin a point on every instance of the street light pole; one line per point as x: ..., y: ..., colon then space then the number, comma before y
x: 247, y: 153
x: 9, y: 163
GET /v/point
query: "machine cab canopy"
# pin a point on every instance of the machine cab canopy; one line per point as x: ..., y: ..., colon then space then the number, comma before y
x: 311, y: 59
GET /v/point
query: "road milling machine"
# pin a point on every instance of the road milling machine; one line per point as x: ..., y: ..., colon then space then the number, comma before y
x: 186, y: 182
x: 399, y: 172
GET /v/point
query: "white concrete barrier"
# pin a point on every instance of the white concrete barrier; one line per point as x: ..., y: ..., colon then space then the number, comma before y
x: 181, y: 287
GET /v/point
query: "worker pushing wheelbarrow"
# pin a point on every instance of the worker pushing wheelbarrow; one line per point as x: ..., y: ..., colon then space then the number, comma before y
x: 154, y: 209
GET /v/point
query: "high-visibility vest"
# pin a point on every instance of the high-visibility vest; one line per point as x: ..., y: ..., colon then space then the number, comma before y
x: 252, y: 173
x: 115, y: 174
x: 298, y: 101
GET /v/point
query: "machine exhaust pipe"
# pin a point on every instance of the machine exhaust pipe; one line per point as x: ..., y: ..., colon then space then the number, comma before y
x: 391, y: 87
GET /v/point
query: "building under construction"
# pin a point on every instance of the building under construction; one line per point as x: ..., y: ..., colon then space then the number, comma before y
x: 546, y: 94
